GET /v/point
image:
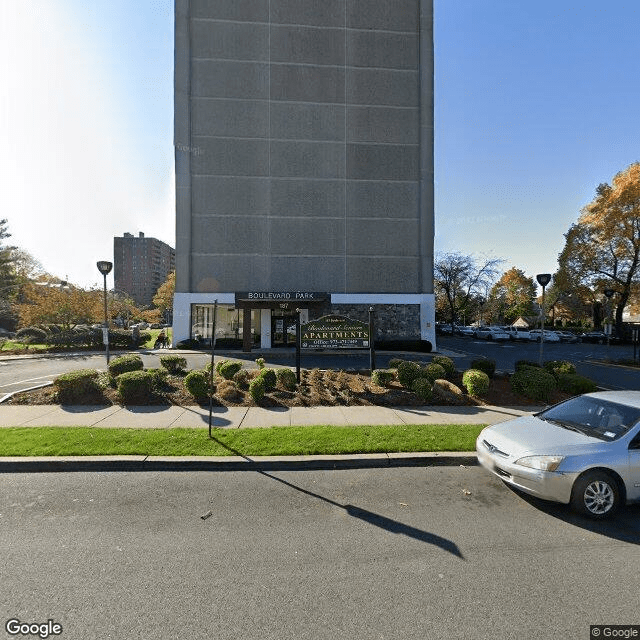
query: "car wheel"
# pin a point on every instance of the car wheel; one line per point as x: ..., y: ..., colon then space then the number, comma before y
x: 489, y: 337
x: 596, y: 494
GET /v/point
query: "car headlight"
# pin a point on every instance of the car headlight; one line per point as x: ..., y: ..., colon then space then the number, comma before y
x: 541, y: 463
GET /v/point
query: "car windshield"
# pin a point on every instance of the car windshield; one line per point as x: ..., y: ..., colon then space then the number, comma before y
x: 593, y: 417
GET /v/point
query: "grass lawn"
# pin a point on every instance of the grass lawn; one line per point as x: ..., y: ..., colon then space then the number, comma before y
x: 275, y: 441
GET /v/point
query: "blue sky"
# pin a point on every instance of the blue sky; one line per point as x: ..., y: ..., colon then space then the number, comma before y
x: 536, y: 104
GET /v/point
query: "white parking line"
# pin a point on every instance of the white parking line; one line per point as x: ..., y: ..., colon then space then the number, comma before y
x: 12, y: 384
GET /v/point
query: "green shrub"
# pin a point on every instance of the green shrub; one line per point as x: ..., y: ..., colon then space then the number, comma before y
x: 533, y: 382
x: 257, y: 389
x: 523, y: 364
x: 125, y: 364
x: 394, y: 362
x: 31, y: 335
x: 447, y: 364
x: 270, y: 379
x: 173, y: 363
x: 382, y: 377
x: 476, y: 382
x: 260, y: 363
x: 219, y: 365
x: 134, y: 386
x: 558, y: 367
x: 160, y: 375
x: 287, y: 379
x: 433, y: 371
x: 575, y: 384
x: 229, y: 369
x: 197, y: 384
x: 423, y: 389
x: 408, y: 372
x: 484, y: 364
x: 73, y: 386
x: 241, y: 378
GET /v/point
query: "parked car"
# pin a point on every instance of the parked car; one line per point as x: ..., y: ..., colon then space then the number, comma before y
x: 584, y: 451
x: 549, y: 336
x: 491, y: 333
x: 467, y: 331
x: 567, y: 336
x: 598, y: 337
x: 517, y: 333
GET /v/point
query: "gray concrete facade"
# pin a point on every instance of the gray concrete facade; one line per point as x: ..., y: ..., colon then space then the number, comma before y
x: 304, y: 146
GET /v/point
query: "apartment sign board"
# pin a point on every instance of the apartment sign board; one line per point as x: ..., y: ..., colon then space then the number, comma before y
x: 335, y: 332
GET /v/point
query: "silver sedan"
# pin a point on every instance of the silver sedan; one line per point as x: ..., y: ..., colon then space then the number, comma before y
x: 584, y: 452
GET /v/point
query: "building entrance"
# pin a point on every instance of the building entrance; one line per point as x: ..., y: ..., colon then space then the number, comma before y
x: 283, y: 331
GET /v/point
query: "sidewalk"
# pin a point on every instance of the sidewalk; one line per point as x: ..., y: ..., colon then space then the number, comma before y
x: 165, y: 417
x: 170, y: 416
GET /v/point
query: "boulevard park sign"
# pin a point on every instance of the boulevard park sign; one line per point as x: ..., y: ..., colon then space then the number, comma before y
x: 335, y: 332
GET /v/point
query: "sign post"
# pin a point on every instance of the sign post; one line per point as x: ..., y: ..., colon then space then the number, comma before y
x: 298, y: 345
x: 213, y: 348
x: 372, y: 351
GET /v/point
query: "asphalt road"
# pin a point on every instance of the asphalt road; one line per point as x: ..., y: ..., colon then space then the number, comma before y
x: 432, y: 552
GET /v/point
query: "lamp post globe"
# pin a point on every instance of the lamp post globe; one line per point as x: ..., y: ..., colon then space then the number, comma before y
x: 104, y: 267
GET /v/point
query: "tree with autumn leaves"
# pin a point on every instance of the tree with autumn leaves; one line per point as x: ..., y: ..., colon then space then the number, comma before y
x: 602, y: 249
x: 512, y: 296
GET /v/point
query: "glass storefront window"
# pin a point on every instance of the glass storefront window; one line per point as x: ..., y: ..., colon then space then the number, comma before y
x: 229, y: 323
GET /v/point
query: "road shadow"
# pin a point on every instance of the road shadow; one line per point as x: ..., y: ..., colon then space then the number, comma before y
x: 624, y: 526
x: 375, y: 519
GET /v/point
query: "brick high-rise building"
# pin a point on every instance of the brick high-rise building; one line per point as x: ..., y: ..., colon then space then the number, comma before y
x: 141, y: 265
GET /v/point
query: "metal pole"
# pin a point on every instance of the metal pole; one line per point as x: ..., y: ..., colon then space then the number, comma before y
x: 106, y: 320
x: 298, y: 340
x: 542, y: 332
x: 213, y: 348
x: 372, y: 351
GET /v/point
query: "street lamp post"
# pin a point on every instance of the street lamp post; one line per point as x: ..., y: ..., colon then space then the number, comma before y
x: 543, y: 280
x: 104, y: 268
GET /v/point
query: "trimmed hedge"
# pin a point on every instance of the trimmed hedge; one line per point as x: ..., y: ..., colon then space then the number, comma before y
x: 173, y: 363
x: 287, y: 379
x: 484, y: 364
x: 228, y: 369
x: 197, y: 384
x: 423, y: 389
x: 382, y: 377
x: 269, y: 378
x: 408, y: 373
x: 125, y: 364
x: 447, y: 364
x: 136, y: 385
x: 72, y: 386
x: 575, y: 384
x: 533, y: 382
x: 31, y: 335
x: 257, y: 389
x: 559, y: 367
x: 433, y: 371
x: 476, y: 382
x: 523, y: 364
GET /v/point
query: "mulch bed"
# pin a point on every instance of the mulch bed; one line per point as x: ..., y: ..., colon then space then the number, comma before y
x: 317, y: 388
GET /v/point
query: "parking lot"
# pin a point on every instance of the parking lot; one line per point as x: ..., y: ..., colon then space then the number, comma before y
x: 600, y: 362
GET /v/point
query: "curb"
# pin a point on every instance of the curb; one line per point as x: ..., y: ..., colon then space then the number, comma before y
x: 234, y: 463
